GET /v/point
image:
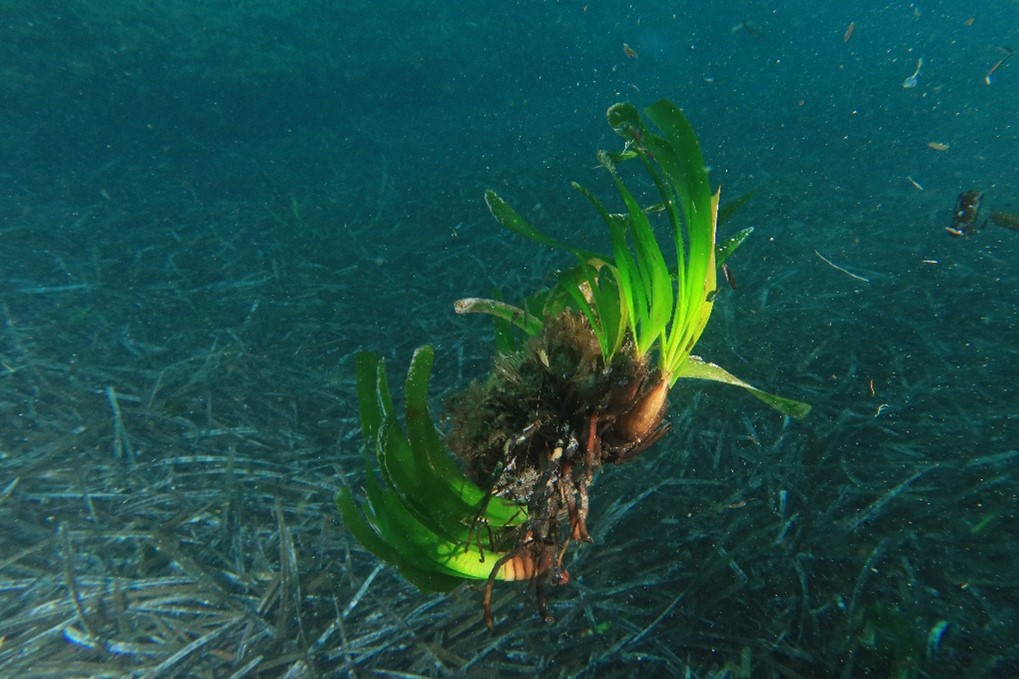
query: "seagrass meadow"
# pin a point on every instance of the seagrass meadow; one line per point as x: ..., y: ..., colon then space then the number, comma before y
x: 181, y: 314
x: 173, y: 445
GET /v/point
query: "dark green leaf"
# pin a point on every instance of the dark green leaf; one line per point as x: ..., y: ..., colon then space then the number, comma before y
x: 730, y: 207
x: 724, y: 250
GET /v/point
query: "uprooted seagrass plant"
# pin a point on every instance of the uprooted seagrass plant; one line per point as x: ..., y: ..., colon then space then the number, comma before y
x: 581, y: 378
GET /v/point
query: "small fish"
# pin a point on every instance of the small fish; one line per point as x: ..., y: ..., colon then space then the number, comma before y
x: 629, y: 51
x: 938, y: 146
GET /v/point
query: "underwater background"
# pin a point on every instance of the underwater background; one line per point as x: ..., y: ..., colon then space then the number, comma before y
x: 208, y: 208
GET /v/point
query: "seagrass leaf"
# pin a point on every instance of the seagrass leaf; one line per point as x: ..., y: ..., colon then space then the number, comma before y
x: 697, y: 368
x: 418, y: 547
x: 520, y: 318
x: 731, y: 207
x: 449, y: 494
x: 419, y: 471
x: 651, y: 274
x: 724, y: 250
x: 511, y: 219
x: 593, y: 290
x: 425, y: 515
x: 631, y: 291
x: 367, y: 366
x: 424, y: 579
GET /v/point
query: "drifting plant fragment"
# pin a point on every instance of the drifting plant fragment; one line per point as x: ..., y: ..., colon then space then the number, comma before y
x: 586, y: 385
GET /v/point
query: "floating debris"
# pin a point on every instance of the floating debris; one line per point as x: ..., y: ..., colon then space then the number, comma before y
x: 913, y: 80
x: 1007, y: 51
x: 935, y: 636
x: 750, y: 29
x: 839, y: 268
x: 967, y: 214
x: 1007, y: 220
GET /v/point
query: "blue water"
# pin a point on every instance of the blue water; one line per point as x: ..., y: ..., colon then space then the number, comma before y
x: 154, y: 156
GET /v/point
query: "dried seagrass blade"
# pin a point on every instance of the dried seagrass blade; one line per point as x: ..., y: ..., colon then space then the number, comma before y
x: 697, y: 368
x: 425, y: 516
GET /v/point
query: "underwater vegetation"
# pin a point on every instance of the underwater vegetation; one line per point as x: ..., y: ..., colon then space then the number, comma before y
x: 581, y: 379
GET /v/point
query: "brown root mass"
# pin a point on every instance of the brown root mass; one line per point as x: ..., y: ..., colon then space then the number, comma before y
x: 544, y: 396
x: 543, y: 421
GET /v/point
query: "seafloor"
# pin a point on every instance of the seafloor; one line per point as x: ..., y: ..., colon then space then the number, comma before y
x: 178, y: 413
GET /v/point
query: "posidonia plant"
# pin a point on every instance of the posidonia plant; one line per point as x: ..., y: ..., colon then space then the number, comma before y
x: 587, y: 385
